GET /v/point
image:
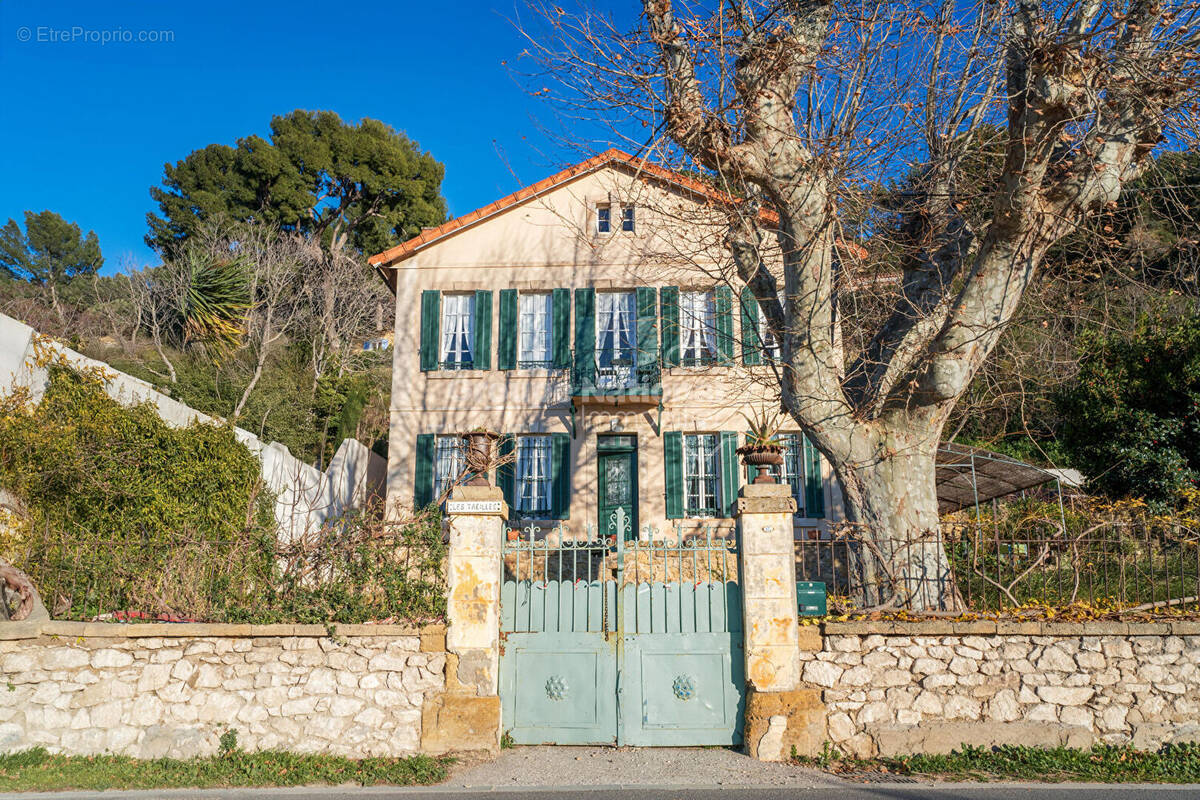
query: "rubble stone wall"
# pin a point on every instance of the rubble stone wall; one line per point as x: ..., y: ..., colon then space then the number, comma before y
x: 171, y: 690
x: 901, y: 688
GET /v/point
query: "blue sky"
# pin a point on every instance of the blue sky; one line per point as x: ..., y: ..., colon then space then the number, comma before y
x: 88, y: 126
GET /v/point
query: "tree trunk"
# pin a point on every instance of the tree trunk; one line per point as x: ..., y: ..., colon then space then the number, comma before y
x: 891, y: 500
x: 258, y: 371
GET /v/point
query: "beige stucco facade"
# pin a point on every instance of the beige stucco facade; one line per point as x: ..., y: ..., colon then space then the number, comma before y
x: 549, y: 241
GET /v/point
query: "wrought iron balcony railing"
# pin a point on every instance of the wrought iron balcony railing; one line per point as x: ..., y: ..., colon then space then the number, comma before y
x: 616, y: 380
x: 457, y: 365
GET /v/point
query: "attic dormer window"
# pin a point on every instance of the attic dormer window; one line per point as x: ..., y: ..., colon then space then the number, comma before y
x: 604, y: 218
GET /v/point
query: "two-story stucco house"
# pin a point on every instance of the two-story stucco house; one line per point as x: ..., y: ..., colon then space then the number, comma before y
x: 590, y: 319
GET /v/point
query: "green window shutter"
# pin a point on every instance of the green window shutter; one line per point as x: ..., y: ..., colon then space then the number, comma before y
x: 647, y: 327
x: 673, y: 459
x: 724, y: 326
x: 431, y: 328
x: 506, y: 333
x: 506, y: 474
x: 585, y: 335
x: 814, y: 486
x: 751, y: 340
x: 560, y: 472
x: 669, y: 301
x: 423, y: 474
x: 482, y: 349
x: 729, y: 472
x: 561, y: 335
x: 751, y: 471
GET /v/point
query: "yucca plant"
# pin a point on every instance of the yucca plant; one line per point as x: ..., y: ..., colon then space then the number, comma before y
x: 215, y: 301
x: 763, y: 450
x: 763, y: 428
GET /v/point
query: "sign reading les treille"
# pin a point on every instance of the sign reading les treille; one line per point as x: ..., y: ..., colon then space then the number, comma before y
x: 473, y: 506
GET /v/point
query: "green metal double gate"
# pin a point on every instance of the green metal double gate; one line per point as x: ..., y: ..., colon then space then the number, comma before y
x: 609, y: 641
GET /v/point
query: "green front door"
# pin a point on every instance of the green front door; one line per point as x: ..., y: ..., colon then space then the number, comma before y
x: 618, y: 486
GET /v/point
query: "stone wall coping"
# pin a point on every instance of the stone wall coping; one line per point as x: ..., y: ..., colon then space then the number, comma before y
x: 183, y: 630
x: 1011, y: 628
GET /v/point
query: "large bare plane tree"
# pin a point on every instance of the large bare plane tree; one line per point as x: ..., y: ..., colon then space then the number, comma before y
x: 805, y: 108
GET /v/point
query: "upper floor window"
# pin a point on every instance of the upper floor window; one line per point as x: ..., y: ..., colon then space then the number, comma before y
x: 697, y: 328
x: 609, y: 215
x: 604, y: 218
x: 458, y: 330
x: 616, y: 339
x: 533, y: 476
x: 449, y: 463
x: 701, y: 475
x: 534, y: 328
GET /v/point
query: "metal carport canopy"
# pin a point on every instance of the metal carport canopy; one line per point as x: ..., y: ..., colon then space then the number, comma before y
x: 966, y: 475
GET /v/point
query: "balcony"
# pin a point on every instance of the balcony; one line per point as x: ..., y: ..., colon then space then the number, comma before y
x: 618, y: 384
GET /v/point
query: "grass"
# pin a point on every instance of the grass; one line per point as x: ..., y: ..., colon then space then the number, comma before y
x: 38, y: 770
x: 1172, y: 763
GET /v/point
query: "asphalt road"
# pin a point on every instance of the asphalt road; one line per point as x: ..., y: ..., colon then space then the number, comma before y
x: 643, y: 792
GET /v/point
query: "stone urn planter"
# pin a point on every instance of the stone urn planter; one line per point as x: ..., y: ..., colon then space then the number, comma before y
x: 481, y: 444
x: 762, y: 456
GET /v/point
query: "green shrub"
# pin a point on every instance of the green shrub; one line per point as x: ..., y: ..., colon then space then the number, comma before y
x: 126, y: 512
x: 123, y: 513
x: 1131, y: 421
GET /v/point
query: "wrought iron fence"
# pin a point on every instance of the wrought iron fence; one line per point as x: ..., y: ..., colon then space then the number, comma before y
x: 559, y: 579
x: 563, y: 553
x: 358, y: 568
x: 1003, y: 562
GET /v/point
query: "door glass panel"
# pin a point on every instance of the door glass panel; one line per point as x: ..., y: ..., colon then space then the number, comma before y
x: 616, y: 482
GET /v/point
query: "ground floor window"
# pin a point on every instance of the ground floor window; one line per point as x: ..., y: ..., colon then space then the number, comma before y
x: 533, y: 476
x: 801, y: 471
x: 449, y: 462
x: 793, y: 468
x: 701, y: 475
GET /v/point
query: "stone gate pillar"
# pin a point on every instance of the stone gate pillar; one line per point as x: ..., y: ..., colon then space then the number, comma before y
x: 780, y: 714
x: 467, y: 716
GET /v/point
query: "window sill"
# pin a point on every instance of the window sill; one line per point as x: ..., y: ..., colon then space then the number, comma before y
x: 534, y: 372
x: 698, y: 369
x: 456, y: 374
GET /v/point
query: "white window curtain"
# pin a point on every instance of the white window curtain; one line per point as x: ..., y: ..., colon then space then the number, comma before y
x: 534, y: 326
x: 449, y: 462
x: 771, y: 347
x: 458, y: 324
x: 698, y: 327
x: 533, y: 475
x: 700, y: 474
x: 616, y: 339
